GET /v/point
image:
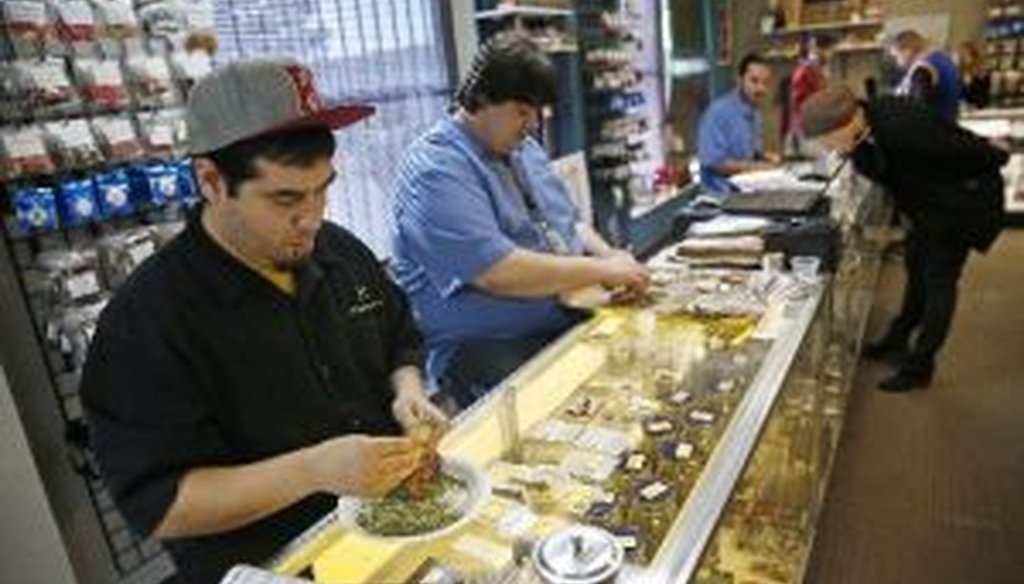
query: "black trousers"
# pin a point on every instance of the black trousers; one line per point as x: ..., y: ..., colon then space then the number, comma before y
x: 933, y: 267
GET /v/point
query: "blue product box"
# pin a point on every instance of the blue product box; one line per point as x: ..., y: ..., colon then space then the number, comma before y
x: 78, y: 203
x: 113, y: 194
x: 35, y: 209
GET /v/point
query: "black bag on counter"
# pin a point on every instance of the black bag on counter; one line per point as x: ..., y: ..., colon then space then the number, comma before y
x: 815, y: 236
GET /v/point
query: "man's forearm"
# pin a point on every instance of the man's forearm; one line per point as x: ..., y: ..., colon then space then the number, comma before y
x: 218, y: 499
x: 593, y: 242
x: 528, y: 274
x: 732, y: 167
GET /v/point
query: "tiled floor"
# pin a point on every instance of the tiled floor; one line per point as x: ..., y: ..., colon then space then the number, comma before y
x: 928, y: 487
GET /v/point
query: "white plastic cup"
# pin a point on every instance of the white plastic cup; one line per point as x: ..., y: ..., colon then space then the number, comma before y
x: 805, y: 268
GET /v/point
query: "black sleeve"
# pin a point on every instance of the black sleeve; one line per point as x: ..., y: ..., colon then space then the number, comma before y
x: 148, y: 422
x: 923, y: 86
x: 933, y: 146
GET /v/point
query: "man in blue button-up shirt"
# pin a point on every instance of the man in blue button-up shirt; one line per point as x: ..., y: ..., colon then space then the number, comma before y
x: 730, y: 138
x: 487, y: 237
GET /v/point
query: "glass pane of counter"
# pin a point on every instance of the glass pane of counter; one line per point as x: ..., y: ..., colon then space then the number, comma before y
x: 614, y: 426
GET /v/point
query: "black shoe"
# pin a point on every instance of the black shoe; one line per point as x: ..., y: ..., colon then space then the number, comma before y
x: 905, y: 381
x: 886, y: 351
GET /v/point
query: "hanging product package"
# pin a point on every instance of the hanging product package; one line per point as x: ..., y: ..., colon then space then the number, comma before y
x: 76, y: 24
x: 77, y: 203
x: 121, y: 253
x: 188, y: 190
x: 72, y: 275
x: 163, y: 132
x: 72, y: 144
x: 117, y: 138
x: 26, y: 24
x: 49, y: 88
x: 152, y: 185
x: 23, y: 153
x: 118, y: 19
x: 101, y: 83
x: 149, y: 79
x: 35, y: 209
x: 113, y: 194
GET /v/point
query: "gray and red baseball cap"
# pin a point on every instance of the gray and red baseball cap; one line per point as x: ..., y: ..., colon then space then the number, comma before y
x: 247, y: 99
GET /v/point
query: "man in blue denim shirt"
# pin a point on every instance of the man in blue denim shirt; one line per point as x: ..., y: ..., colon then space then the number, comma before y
x: 487, y: 238
x: 730, y: 138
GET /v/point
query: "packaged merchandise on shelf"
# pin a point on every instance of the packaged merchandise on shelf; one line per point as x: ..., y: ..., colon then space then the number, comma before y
x: 121, y: 253
x: 71, y: 329
x: 117, y: 138
x: 27, y: 24
x: 72, y: 144
x: 149, y: 79
x: 113, y: 193
x: 163, y: 132
x: 153, y: 185
x: 69, y: 276
x: 23, y: 153
x: 76, y: 23
x: 77, y: 203
x: 35, y: 209
x: 101, y: 83
x: 49, y: 84
x: 117, y: 18
x: 188, y: 190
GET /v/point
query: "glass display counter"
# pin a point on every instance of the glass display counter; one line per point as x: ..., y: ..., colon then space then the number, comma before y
x: 642, y: 421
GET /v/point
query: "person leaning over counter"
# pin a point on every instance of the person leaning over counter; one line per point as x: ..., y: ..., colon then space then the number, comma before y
x: 487, y: 237
x: 948, y: 183
x: 261, y: 361
x: 730, y: 136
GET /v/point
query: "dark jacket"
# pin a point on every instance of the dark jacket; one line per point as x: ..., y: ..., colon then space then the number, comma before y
x: 945, y: 178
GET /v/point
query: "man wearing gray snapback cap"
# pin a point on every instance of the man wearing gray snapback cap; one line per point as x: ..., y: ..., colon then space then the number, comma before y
x: 262, y: 361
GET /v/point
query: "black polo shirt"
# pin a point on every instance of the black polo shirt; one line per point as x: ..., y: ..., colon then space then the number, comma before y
x: 200, y: 361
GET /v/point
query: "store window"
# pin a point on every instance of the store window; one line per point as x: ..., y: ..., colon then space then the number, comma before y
x: 388, y: 53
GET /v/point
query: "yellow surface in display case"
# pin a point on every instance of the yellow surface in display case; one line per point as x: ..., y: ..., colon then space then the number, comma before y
x: 480, y: 439
x: 497, y: 432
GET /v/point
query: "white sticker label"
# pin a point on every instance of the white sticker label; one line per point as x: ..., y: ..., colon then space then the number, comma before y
x: 636, y: 462
x: 628, y: 542
x: 654, y: 490
x: 702, y: 416
x: 726, y: 386
x: 680, y: 397
x: 684, y: 450
x: 81, y: 285
x: 659, y: 427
